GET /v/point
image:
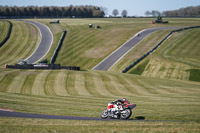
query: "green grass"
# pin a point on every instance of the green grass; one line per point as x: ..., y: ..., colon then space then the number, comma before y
x: 60, y: 92
x: 22, y: 42
x: 139, y: 50
x: 85, y: 47
x: 172, y: 60
x: 194, y: 75
x: 4, y: 27
x: 56, y: 92
x: 140, y: 68
x: 62, y: 126
x: 184, y: 47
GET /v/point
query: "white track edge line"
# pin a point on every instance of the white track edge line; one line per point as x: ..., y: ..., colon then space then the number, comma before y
x: 117, y: 49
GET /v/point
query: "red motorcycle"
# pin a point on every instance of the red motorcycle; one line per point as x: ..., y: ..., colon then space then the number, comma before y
x: 118, y: 111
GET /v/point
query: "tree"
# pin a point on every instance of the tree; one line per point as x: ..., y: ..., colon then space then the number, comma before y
x: 124, y: 13
x: 105, y: 10
x: 147, y: 13
x: 155, y: 13
x: 115, y: 12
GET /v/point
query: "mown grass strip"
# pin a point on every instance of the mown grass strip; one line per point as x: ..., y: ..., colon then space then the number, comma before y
x: 60, y: 83
x: 17, y: 83
x: 4, y: 26
x: 109, y: 86
x: 7, y: 79
x: 39, y: 83
x: 28, y: 83
x: 100, y: 85
x: 5, y: 32
x: 89, y: 84
x: 49, y: 83
x: 70, y: 83
x: 80, y: 84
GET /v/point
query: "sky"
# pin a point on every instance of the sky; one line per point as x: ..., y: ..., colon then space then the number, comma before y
x: 134, y: 7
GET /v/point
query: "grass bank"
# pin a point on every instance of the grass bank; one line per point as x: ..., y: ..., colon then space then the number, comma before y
x: 61, y: 92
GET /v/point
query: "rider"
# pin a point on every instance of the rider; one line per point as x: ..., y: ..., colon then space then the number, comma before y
x: 119, y: 102
x: 122, y: 101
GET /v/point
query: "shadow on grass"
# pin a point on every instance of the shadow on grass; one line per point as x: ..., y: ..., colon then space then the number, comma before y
x: 138, y: 118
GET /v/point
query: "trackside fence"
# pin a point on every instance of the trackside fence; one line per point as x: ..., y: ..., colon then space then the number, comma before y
x: 45, y: 67
x: 152, y: 50
x: 55, y: 54
x: 8, y: 35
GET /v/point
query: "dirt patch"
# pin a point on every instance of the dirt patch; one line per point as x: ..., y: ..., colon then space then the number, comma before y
x: 9, y: 110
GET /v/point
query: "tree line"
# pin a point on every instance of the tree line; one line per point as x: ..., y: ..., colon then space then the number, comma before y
x: 52, y: 11
x: 184, y: 12
x: 192, y: 11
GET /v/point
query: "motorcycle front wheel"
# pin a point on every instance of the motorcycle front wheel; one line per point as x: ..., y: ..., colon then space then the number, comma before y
x: 104, y: 114
x: 126, y: 114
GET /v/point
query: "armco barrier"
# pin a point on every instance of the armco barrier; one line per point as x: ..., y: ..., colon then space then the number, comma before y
x: 8, y: 35
x: 152, y: 50
x: 42, y: 66
x: 55, y: 54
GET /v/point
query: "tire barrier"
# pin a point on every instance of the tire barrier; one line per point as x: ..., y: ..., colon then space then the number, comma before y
x: 42, y: 66
x: 152, y: 50
x: 53, y: 58
x: 8, y: 35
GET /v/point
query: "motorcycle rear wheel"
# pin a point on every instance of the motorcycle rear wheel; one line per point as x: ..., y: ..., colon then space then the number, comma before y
x: 104, y: 114
x: 126, y: 115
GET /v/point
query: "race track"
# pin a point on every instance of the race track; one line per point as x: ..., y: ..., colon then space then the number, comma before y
x: 114, y: 57
x: 44, y: 45
x: 5, y: 113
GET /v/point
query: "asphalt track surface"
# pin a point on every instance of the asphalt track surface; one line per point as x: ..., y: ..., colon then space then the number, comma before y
x: 5, y: 113
x: 114, y: 57
x: 45, y: 42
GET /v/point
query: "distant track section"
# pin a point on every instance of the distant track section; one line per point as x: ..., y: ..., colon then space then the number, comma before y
x: 45, y: 42
x: 114, y: 57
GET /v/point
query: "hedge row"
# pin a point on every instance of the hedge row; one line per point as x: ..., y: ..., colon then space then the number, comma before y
x: 152, y: 50
x: 8, y: 35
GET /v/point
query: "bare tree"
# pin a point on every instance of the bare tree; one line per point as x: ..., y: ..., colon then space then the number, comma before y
x: 124, y: 13
x: 115, y: 12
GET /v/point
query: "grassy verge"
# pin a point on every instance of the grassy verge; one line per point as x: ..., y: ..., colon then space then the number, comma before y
x: 61, y: 126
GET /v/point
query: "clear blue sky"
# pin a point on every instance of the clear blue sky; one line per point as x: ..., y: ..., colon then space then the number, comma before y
x: 134, y: 7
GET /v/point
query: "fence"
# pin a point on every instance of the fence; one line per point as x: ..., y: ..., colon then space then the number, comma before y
x: 55, y: 54
x: 42, y: 66
x: 8, y: 35
x: 152, y: 50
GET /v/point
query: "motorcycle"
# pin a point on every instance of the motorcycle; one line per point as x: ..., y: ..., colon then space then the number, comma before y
x: 118, y: 111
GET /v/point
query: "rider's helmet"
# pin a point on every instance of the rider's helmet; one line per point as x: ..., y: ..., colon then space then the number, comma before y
x: 125, y: 101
